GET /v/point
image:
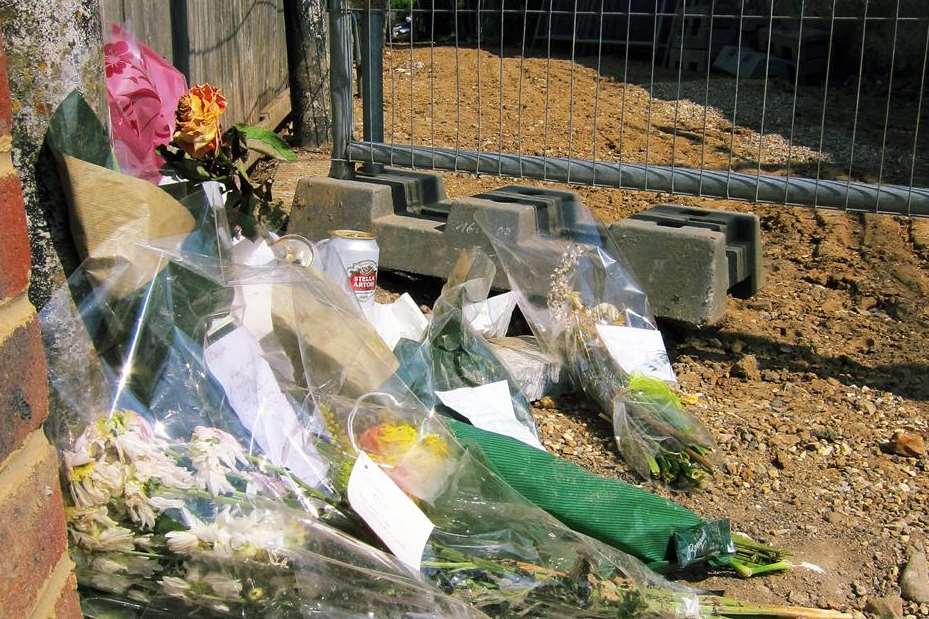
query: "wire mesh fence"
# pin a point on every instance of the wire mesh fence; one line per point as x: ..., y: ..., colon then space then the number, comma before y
x: 809, y: 102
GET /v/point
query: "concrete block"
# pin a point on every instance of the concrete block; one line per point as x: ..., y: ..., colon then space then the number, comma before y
x: 322, y: 204
x: 684, y: 271
x: 686, y: 260
x: 424, y: 245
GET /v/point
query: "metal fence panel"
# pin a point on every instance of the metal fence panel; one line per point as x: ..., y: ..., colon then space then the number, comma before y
x: 809, y: 102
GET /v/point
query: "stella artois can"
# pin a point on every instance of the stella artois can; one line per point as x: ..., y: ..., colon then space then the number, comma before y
x: 351, y: 259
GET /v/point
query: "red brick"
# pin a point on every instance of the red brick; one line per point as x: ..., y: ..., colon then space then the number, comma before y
x: 68, y: 605
x: 32, y: 525
x: 14, y: 243
x: 23, y: 384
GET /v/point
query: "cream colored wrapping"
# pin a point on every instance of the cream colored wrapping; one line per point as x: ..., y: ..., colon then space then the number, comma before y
x: 111, y: 214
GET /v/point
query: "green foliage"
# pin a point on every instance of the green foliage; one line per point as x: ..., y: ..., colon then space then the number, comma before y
x: 249, y: 202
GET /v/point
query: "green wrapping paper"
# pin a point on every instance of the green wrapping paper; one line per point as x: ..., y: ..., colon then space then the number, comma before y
x: 614, y: 512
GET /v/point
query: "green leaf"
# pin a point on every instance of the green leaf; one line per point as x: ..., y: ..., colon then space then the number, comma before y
x: 267, y: 143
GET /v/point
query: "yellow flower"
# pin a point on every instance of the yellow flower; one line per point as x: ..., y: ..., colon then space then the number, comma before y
x: 420, y: 465
x: 198, y: 129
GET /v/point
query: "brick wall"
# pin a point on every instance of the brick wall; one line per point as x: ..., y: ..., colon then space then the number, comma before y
x: 36, y: 578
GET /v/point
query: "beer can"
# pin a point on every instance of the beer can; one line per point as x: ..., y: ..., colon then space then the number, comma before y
x: 351, y: 259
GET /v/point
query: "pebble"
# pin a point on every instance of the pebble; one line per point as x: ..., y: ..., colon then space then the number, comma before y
x: 747, y: 367
x: 908, y: 444
x: 889, y: 607
x: 546, y: 403
x: 914, y: 582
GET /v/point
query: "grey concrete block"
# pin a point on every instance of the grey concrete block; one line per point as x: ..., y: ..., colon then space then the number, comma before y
x: 414, y: 244
x: 684, y: 271
x: 682, y: 265
x: 322, y: 204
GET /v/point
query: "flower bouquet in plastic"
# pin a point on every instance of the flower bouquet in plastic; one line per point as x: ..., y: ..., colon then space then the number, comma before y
x: 582, y: 304
x: 192, y: 483
x: 441, y: 511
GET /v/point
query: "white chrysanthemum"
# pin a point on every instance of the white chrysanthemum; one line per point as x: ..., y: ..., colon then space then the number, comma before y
x: 95, y: 482
x: 116, y: 538
x: 107, y: 540
x: 120, y: 563
x: 175, y: 587
x: 214, y: 454
x: 164, y: 469
x: 212, y: 478
x: 160, y: 503
x: 137, y: 504
x: 113, y: 583
x: 219, y: 444
x: 89, y: 519
x: 223, y: 585
x: 182, y: 542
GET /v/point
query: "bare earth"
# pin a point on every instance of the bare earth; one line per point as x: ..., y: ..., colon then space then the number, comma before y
x: 839, y: 334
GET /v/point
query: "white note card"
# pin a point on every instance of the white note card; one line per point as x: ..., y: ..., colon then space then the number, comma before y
x: 255, y: 299
x: 489, y: 407
x: 390, y: 513
x: 235, y: 361
x: 638, y: 350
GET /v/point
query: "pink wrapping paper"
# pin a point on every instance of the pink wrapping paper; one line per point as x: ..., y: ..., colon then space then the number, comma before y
x: 142, y: 92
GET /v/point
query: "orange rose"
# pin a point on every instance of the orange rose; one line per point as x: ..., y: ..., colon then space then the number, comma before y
x: 198, y: 129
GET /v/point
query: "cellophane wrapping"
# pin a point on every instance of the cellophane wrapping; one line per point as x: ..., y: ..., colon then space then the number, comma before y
x: 572, y: 288
x: 488, y: 545
x: 180, y: 412
x: 454, y: 354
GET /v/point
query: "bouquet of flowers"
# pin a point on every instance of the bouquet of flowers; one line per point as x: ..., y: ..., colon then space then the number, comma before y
x: 193, y: 490
x: 204, y: 526
x: 201, y: 151
x: 589, y: 297
x: 485, y: 543
x: 454, y: 354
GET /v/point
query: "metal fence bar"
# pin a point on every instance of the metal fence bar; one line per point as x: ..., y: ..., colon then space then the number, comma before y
x: 800, y: 191
x: 651, y: 99
x: 372, y: 78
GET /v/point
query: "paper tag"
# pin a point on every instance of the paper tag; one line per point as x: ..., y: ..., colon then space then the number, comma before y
x: 390, y: 513
x: 489, y: 407
x: 235, y: 361
x: 638, y: 350
x: 255, y: 299
x: 399, y: 319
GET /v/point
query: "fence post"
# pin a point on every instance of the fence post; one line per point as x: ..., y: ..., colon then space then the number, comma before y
x: 372, y: 77
x: 340, y: 87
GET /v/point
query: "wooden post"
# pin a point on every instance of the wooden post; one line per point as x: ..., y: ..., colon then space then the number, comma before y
x: 308, y: 68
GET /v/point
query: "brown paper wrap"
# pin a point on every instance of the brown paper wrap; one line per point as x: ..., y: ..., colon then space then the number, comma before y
x: 111, y: 214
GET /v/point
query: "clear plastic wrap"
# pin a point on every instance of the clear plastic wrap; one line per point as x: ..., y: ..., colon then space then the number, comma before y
x: 142, y: 91
x: 211, y: 403
x: 454, y: 355
x: 189, y: 466
x: 489, y: 545
x: 576, y: 295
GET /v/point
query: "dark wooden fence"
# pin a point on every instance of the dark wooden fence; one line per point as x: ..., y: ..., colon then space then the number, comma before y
x: 238, y: 45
